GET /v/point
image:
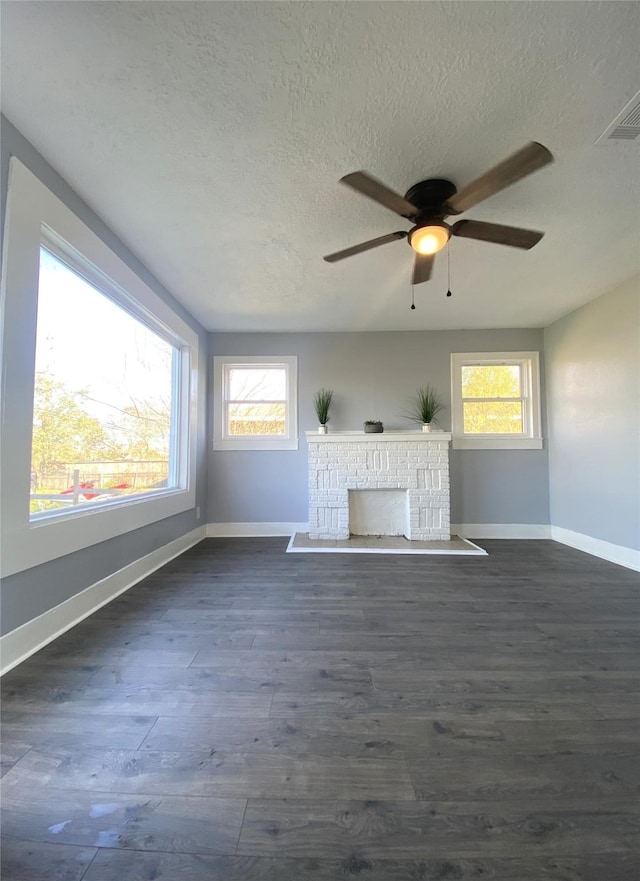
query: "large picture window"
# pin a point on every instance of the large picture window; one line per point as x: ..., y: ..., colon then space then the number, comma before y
x: 496, y: 400
x: 99, y: 406
x: 255, y: 402
x: 105, y: 393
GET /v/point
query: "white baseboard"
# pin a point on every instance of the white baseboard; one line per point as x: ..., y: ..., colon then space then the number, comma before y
x: 27, y: 639
x: 465, y: 530
x: 501, y: 530
x: 606, y: 550
x: 253, y: 530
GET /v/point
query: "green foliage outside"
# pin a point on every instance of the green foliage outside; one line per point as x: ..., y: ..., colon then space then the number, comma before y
x: 246, y: 419
x: 492, y: 381
x: 65, y: 432
x: 244, y: 427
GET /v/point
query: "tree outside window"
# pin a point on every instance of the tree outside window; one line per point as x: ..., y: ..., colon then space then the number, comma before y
x: 495, y: 400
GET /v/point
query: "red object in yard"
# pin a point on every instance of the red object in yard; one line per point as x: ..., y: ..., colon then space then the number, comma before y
x: 82, y: 485
x: 91, y: 485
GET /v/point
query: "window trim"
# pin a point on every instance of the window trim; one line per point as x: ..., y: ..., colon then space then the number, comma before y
x: 33, y: 213
x: 221, y: 440
x: 531, y: 438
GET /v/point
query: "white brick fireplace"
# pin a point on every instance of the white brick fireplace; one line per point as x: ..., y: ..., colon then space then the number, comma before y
x: 352, y: 474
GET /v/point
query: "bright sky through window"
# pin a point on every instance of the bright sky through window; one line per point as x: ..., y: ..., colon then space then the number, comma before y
x: 90, y: 342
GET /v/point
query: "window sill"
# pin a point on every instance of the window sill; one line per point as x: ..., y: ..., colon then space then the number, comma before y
x: 220, y: 445
x: 42, y: 540
x: 497, y: 443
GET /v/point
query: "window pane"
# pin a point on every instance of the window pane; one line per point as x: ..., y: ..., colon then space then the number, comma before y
x: 493, y: 417
x: 491, y: 381
x: 252, y: 419
x: 103, y: 397
x: 257, y: 384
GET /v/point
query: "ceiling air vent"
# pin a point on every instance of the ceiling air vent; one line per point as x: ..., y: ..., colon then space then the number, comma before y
x: 626, y: 125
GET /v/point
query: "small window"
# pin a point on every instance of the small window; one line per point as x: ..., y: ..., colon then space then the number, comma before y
x: 255, y: 403
x: 496, y: 400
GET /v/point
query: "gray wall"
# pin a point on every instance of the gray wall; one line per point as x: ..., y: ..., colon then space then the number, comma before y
x: 34, y: 591
x: 592, y: 361
x: 372, y: 375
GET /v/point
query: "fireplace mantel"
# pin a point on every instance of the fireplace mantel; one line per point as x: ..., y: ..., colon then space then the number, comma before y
x: 382, y: 437
x: 347, y: 461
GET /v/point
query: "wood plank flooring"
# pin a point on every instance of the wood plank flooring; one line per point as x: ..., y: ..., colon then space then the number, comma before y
x: 247, y: 715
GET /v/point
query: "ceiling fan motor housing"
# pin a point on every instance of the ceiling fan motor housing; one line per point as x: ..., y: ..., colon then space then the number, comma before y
x: 429, y: 197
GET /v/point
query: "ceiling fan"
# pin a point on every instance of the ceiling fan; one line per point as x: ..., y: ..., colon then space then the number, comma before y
x: 427, y: 203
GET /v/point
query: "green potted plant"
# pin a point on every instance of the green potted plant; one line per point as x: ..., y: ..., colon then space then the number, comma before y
x: 373, y: 426
x: 424, y: 407
x: 321, y: 402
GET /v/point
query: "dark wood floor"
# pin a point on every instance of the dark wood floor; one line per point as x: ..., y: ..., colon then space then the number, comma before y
x: 247, y: 715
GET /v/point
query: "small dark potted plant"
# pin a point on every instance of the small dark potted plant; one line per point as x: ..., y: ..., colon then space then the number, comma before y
x: 373, y: 426
x: 424, y: 407
x: 322, y: 402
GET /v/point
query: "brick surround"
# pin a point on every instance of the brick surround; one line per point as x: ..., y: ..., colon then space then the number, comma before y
x: 414, y: 461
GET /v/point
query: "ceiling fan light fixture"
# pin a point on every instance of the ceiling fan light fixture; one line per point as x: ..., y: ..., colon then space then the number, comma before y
x: 429, y: 239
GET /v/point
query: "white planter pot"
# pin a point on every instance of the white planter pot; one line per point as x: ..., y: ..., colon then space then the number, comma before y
x: 426, y: 427
x: 322, y: 429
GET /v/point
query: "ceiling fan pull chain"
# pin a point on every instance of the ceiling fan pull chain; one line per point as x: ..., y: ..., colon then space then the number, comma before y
x: 413, y: 296
x: 449, y: 294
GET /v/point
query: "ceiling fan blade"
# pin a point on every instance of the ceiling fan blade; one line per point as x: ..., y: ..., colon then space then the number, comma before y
x: 519, y: 165
x: 422, y: 268
x: 374, y: 189
x: 365, y: 246
x: 514, y: 236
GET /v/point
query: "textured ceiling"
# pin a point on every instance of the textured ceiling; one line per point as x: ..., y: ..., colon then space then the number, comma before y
x: 211, y: 137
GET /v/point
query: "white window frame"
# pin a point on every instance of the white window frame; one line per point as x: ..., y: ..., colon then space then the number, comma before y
x: 36, y: 216
x: 531, y: 437
x: 222, y: 364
